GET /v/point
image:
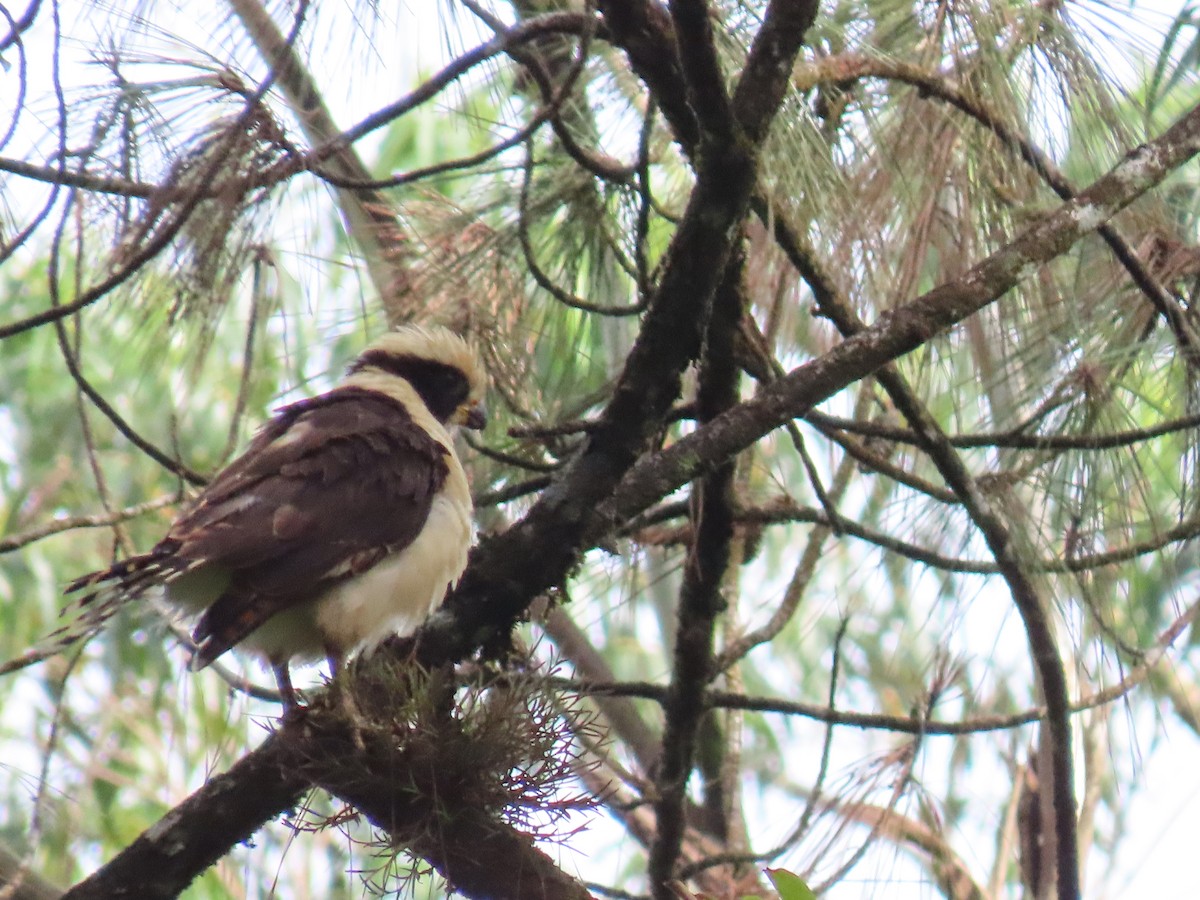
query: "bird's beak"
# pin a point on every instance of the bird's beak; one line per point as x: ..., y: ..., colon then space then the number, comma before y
x: 475, y: 417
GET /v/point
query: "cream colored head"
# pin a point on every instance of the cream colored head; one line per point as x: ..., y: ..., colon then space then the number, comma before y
x: 416, y: 353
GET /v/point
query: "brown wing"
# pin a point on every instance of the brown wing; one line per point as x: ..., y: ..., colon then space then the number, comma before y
x: 329, y: 487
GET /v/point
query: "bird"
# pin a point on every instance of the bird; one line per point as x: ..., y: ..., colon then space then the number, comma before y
x: 346, y: 519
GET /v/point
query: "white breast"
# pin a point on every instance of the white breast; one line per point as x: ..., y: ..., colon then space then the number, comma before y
x: 399, y: 593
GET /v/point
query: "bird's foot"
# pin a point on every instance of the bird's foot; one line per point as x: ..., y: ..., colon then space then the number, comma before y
x: 343, y: 699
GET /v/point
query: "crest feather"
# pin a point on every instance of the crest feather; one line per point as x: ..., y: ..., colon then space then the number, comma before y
x: 436, y: 344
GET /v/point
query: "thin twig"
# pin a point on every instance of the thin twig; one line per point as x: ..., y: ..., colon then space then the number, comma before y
x: 904, y: 724
x: 1011, y: 439
x: 12, y: 542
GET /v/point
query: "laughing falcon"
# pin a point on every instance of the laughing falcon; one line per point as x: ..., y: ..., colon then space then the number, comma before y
x: 346, y: 520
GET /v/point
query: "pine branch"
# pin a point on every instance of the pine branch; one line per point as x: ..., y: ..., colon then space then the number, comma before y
x: 901, y: 330
x: 370, y: 216
x: 700, y: 599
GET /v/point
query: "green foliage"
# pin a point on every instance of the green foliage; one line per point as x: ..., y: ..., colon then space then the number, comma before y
x: 789, y: 885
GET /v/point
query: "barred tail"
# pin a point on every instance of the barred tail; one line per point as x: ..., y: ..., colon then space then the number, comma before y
x: 87, y: 616
x: 131, y: 576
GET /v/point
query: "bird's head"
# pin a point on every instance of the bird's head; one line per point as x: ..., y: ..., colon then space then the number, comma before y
x: 440, y: 365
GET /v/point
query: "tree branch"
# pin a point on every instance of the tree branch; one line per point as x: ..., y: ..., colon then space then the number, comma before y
x: 225, y: 811
x: 843, y: 67
x: 700, y: 598
x: 703, y: 80
x: 904, y: 328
